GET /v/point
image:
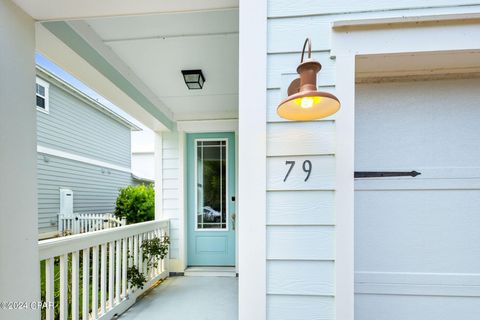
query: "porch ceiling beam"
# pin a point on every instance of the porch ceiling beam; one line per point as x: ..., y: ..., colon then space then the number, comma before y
x: 80, y: 38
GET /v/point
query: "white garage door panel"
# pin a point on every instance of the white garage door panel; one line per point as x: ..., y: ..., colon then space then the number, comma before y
x: 417, y: 239
x: 415, y: 307
x: 418, y: 231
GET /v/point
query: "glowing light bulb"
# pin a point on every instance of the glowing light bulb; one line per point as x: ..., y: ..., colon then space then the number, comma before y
x: 306, y: 102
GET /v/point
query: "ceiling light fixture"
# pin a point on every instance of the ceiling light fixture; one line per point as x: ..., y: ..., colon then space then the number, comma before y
x: 304, y: 102
x: 194, y: 79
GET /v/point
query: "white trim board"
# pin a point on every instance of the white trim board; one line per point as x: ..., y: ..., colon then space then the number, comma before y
x: 252, y: 154
x: 202, y: 126
x: 75, y: 157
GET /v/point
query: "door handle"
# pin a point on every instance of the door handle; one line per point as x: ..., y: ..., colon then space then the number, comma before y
x: 232, y: 216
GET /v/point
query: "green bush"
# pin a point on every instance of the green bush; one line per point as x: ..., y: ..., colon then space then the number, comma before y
x: 136, y: 203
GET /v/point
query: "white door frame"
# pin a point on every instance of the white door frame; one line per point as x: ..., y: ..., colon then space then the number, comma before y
x: 352, y: 39
x: 200, y: 126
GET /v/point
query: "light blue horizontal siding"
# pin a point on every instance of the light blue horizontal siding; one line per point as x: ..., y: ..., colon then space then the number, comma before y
x: 301, y: 215
x: 94, y: 191
x: 74, y: 126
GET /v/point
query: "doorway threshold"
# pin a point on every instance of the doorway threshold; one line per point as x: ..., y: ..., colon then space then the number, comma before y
x: 210, y: 272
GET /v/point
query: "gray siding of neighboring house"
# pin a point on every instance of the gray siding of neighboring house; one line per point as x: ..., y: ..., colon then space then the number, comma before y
x: 74, y: 126
x: 95, y: 189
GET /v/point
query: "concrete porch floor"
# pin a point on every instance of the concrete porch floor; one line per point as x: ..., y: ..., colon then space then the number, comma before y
x: 188, y: 298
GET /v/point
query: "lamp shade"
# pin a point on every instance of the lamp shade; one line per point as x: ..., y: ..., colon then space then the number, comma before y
x: 308, y: 105
x: 304, y: 102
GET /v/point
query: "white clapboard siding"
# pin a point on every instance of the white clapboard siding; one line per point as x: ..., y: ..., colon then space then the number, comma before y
x: 322, y: 175
x: 274, y: 96
x: 170, y: 204
x: 287, y: 35
x: 170, y: 163
x: 171, y: 184
x: 300, y: 208
x: 170, y: 173
x: 300, y: 242
x: 170, y: 153
x: 314, y: 278
x: 170, y: 194
x: 316, y: 137
x: 278, y: 64
x: 286, y: 307
x: 285, y: 8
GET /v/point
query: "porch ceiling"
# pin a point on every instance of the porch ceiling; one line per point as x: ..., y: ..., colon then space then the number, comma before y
x: 158, y: 47
x: 143, y: 56
x: 62, y: 10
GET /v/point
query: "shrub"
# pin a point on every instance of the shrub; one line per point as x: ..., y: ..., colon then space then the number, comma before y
x: 136, y: 203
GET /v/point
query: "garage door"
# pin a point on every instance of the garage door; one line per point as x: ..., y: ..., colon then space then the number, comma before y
x: 417, y: 239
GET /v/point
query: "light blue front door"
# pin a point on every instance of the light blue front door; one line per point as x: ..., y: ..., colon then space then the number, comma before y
x: 211, y: 199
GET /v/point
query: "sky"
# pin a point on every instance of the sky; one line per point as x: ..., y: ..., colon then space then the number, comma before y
x: 141, y: 141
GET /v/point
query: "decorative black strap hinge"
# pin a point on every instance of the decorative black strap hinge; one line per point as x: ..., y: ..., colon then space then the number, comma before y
x: 381, y: 174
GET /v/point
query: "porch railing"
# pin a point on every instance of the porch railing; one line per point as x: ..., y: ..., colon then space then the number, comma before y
x: 86, y: 274
x: 86, y: 222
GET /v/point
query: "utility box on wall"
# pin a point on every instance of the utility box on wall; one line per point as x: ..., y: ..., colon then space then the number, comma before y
x: 66, y: 202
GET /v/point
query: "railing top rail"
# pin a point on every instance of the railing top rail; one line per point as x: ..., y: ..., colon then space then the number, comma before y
x: 63, y: 245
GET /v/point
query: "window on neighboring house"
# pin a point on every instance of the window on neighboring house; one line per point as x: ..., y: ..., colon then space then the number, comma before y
x: 42, y: 95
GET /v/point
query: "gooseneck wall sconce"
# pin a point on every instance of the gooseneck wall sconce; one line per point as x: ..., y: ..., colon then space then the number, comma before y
x: 304, y: 102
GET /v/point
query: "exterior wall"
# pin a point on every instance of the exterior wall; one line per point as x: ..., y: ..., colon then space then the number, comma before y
x: 19, y: 272
x: 171, y: 195
x: 143, y: 164
x: 95, y: 189
x: 301, y: 216
x: 74, y: 126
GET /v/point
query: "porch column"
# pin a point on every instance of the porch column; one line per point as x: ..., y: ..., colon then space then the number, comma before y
x: 19, y: 265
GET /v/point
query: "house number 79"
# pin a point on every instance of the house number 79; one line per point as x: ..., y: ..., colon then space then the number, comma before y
x: 306, y: 166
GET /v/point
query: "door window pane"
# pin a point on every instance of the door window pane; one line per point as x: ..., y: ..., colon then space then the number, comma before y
x: 211, y: 166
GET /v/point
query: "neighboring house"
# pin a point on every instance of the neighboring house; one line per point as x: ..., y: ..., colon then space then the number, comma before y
x: 82, y: 147
x: 143, y: 154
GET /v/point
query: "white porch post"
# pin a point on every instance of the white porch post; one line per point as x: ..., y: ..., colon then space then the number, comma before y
x: 252, y: 160
x: 19, y: 265
x: 158, y: 156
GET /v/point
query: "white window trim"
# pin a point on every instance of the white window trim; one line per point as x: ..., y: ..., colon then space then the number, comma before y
x: 46, y: 85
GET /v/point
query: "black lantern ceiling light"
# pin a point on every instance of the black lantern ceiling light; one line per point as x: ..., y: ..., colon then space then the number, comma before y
x: 304, y: 102
x: 194, y: 79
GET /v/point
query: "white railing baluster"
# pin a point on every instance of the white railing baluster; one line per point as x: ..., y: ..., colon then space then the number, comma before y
x: 111, y: 256
x: 75, y: 294
x: 118, y: 252
x: 85, y: 283
x: 64, y: 287
x: 113, y: 251
x: 50, y: 287
x: 140, y: 253
x: 124, y: 267
x: 103, y: 278
x: 130, y: 259
x: 95, y: 282
x: 135, y: 250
